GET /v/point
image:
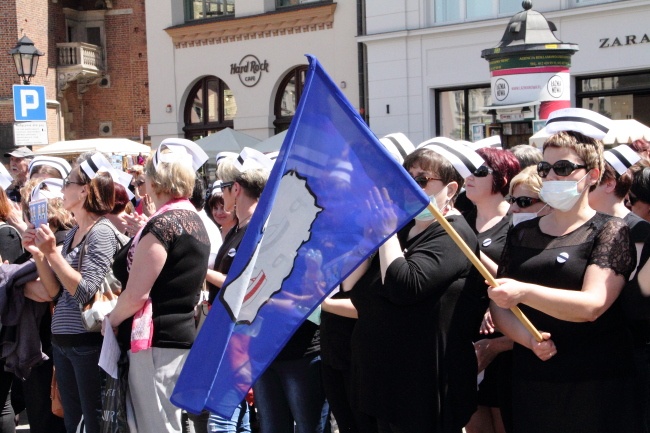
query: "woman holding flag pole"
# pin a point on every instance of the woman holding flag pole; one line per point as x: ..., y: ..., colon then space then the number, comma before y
x: 567, y: 269
x: 419, y: 303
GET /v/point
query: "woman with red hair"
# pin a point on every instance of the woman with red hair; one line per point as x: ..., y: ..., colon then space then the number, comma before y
x: 487, y: 188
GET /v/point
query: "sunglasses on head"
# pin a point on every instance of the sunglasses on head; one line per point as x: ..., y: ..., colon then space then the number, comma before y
x: 482, y: 171
x: 561, y: 168
x: 523, y: 201
x: 423, y: 181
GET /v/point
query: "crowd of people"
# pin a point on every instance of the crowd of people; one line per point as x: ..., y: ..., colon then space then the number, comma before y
x: 413, y: 340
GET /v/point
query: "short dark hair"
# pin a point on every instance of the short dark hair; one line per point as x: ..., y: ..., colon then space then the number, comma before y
x: 432, y: 161
x: 198, y: 193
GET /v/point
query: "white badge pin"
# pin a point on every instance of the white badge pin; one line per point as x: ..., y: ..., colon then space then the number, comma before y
x: 563, y: 257
x: 232, y: 252
x: 487, y: 242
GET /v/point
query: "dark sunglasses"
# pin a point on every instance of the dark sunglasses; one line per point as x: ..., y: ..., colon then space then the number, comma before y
x: 227, y: 185
x: 139, y: 182
x: 67, y: 182
x: 561, y: 168
x: 423, y: 181
x: 482, y: 171
x: 523, y: 201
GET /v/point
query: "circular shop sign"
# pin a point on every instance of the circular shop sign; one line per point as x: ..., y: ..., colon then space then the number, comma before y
x: 501, y: 89
x: 250, y: 70
x: 554, y: 86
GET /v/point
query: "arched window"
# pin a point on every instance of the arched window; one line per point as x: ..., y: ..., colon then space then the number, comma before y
x: 286, y: 100
x: 210, y: 107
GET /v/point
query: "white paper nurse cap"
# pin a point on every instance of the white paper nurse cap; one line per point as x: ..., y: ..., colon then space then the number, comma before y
x: 464, y: 159
x: 95, y: 164
x: 181, y: 150
x: 251, y: 159
x: 59, y: 164
x: 47, y: 189
x: 222, y: 155
x: 398, y: 145
x: 621, y: 158
x: 581, y: 120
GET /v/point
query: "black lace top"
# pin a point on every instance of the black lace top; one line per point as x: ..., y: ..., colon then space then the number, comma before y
x: 176, y: 290
x: 590, y: 350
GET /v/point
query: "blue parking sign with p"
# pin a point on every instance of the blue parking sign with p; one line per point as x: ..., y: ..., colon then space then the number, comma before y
x: 29, y: 103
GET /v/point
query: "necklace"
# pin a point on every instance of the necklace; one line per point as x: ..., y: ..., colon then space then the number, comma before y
x: 243, y: 222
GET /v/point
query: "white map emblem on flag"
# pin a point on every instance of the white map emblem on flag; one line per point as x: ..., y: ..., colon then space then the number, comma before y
x: 286, y: 230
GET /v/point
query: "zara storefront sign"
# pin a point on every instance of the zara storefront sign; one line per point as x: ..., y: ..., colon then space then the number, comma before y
x: 249, y: 70
x: 624, y: 40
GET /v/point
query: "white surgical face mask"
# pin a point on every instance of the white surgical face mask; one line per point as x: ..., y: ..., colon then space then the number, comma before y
x: 426, y: 214
x: 525, y: 216
x: 561, y: 194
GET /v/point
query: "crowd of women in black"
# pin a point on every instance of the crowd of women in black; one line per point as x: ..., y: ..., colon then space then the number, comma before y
x: 414, y: 340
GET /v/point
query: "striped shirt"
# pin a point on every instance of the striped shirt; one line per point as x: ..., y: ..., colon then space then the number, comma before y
x: 97, y: 260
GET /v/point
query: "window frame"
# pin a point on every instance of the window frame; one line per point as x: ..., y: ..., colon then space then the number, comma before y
x: 280, y: 122
x: 206, y: 127
x: 466, y: 107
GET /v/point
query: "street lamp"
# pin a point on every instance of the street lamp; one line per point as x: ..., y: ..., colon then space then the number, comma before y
x: 26, y: 56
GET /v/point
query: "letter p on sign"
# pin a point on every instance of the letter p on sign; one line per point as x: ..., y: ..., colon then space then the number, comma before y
x: 29, y: 103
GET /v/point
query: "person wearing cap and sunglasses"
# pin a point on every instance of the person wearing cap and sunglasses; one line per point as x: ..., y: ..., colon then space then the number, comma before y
x: 162, y: 271
x: 243, y: 178
x: 565, y: 271
x: 88, y: 193
x: 609, y: 196
x: 486, y: 187
x: 19, y: 160
x: 419, y: 304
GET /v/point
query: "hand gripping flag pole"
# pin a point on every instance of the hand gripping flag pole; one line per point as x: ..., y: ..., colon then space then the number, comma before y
x: 482, y: 269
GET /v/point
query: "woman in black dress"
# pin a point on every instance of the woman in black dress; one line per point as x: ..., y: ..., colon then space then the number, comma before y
x: 487, y: 188
x: 419, y: 302
x: 566, y: 270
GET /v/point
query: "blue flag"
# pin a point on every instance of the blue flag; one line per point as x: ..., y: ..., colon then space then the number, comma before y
x: 309, y: 231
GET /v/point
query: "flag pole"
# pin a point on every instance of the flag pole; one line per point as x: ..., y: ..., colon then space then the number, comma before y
x: 482, y: 269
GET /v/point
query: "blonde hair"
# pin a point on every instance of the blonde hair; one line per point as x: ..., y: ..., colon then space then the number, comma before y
x: 171, y: 178
x: 252, y: 181
x: 527, y: 177
x: 57, y: 216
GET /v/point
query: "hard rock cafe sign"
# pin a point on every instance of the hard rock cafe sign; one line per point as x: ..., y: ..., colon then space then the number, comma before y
x: 249, y: 70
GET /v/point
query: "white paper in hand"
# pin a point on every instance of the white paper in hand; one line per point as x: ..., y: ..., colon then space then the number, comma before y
x: 110, y: 353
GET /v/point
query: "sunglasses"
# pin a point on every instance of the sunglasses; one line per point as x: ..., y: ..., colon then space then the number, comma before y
x: 482, y: 171
x: 523, y: 201
x: 561, y: 168
x: 139, y: 182
x: 67, y: 182
x: 227, y: 184
x: 423, y: 181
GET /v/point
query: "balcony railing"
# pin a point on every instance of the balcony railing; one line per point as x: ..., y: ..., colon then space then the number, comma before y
x: 86, y: 58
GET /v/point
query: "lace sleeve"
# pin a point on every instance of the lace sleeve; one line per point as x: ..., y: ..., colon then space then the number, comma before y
x: 613, y: 248
x: 169, y: 226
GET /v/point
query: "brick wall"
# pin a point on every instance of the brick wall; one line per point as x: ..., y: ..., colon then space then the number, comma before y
x: 125, y: 103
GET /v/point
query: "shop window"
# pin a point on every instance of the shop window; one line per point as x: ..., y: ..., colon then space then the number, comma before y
x: 210, y: 107
x: 449, y: 11
x: 286, y: 100
x: 201, y: 9
x: 623, y: 96
x: 458, y: 109
x: 286, y: 3
x: 454, y: 11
